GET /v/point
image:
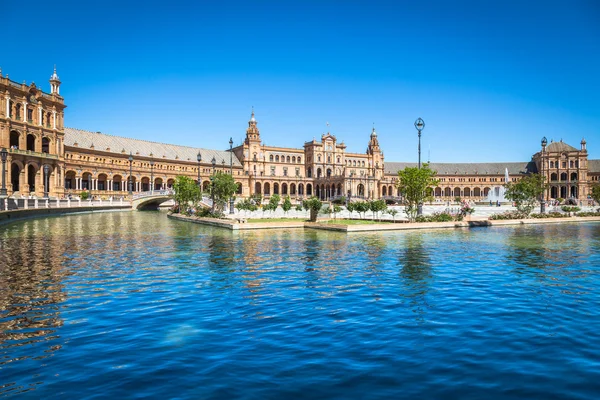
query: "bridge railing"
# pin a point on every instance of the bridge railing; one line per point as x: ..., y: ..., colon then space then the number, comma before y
x: 165, y: 192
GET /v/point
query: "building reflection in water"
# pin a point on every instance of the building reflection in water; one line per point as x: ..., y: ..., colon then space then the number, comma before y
x: 31, y: 294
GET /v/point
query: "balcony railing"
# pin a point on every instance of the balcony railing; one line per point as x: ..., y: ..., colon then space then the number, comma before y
x: 34, y: 153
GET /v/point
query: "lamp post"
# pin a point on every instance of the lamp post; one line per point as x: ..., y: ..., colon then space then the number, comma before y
x: 151, y: 175
x: 212, y: 184
x: 130, y: 172
x: 4, y: 155
x: 46, y: 180
x: 199, y: 158
x: 231, y: 201
x: 543, y: 200
x: 350, y: 191
x: 420, y: 125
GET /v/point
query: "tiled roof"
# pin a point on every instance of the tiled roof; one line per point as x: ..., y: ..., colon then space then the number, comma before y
x: 102, y: 142
x: 560, y: 147
x: 514, y: 168
x: 594, y: 166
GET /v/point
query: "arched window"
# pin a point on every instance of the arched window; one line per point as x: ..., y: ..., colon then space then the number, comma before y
x: 328, y: 159
x: 554, y: 177
x: 271, y: 158
x: 551, y: 164
x: 277, y: 158
x: 30, y: 142
x: 45, y: 145
x: 14, y: 140
x: 319, y: 158
x: 318, y: 172
x: 287, y: 159
x: 299, y: 160
x: 309, y: 172
x: 363, y: 163
x: 563, y: 176
x: 338, y: 159
x: 329, y: 172
x: 294, y: 159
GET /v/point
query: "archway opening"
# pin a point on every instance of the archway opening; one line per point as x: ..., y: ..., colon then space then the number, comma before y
x: 15, y: 173
x: 30, y: 142
x: 31, y: 175
x: 14, y: 140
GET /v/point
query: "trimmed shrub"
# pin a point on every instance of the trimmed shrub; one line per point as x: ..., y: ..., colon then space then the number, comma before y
x: 549, y: 215
x: 507, y: 215
x: 588, y: 214
x: 570, y: 209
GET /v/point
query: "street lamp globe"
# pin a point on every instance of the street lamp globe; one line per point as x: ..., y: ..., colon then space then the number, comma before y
x: 544, y: 141
x: 420, y: 124
x: 199, y: 157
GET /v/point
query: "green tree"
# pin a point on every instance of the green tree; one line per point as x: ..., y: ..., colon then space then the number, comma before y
x: 377, y: 206
x: 223, y: 187
x: 526, y: 192
x: 274, y: 202
x: 287, y: 204
x: 313, y: 205
x: 393, y: 213
x: 413, y: 183
x: 361, y: 207
x: 186, y: 192
x: 596, y: 193
x: 336, y: 209
x: 350, y: 207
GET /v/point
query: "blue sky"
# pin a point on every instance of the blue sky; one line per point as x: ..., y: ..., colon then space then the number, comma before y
x: 490, y: 78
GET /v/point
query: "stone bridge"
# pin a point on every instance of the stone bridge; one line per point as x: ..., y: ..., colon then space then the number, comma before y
x: 152, y: 199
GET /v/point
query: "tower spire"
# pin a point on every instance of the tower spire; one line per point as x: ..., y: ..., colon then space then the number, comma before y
x: 55, y: 83
x: 252, y: 133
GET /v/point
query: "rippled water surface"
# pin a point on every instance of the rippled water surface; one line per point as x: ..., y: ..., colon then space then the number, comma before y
x: 133, y: 305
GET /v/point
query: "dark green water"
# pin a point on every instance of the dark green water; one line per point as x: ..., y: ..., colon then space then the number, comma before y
x: 132, y: 305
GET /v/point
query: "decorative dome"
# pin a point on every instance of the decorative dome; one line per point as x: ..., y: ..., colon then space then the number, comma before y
x: 54, y: 76
x: 373, y: 133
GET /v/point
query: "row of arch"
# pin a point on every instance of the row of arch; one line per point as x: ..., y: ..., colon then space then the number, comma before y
x: 115, y: 183
x: 31, y: 177
x: 284, y: 189
x: 288, y: 159
x: 572, y: 164
x: 563, y: 176
x: 563, y: 192
x: 31, y: 142
x: 444, y: 192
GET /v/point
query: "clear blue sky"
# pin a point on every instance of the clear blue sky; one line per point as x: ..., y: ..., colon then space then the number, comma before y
x: 490, y: 78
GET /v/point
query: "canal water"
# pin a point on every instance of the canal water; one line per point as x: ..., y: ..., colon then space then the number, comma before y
x: 133, y: 305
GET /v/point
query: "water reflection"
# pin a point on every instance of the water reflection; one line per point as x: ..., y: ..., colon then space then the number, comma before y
x: 31, y: 294
x: 148, y: 300
x: 416, y: 273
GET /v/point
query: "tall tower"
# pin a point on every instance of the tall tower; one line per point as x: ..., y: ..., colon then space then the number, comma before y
x: 252, y: 133
x: 55, y: 83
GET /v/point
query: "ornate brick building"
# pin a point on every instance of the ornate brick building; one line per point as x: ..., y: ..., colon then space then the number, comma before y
x: 32, y: 130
